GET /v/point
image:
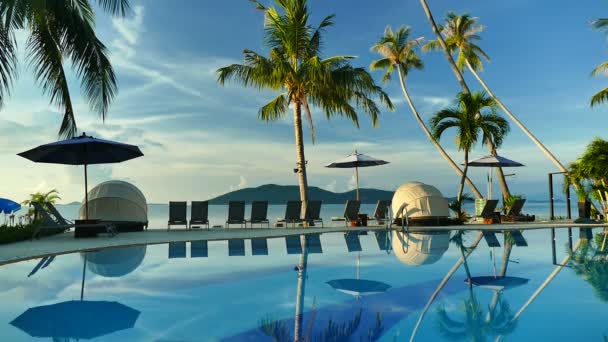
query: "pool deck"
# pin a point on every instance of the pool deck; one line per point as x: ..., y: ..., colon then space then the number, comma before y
x: 66, y: 243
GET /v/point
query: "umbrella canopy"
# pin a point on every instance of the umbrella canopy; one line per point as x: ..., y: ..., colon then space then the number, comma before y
x: 494, y: 161
x: 82, y: 150
x: 76, y: 319
x: 498, y: 283
x: 8, y: 207
x: 356, y: 160
x: 358, y: 287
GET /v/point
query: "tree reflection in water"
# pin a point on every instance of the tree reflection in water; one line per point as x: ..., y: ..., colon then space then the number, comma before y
x: 589, y: 263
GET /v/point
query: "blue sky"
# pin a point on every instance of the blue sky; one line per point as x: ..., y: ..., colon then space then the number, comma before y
x: 201, y: 140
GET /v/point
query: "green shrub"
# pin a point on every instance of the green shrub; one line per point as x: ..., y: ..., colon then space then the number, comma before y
x: 10, y: 234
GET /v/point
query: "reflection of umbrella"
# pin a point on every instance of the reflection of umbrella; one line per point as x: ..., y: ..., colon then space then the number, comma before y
x: 493, y: 161
x: 356, y: 160
x: 8, y: 207
x: 76, y: 319
x: 358, y: 287
x: 498, y: 283
x: 83, y: 150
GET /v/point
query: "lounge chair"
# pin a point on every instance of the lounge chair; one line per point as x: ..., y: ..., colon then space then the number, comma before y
x: 236, y: 214
x: 351, y: 212
x: 312, y: 214
x: 489, y: 210
x: 514, y: 213
x: 293, y: 213
x: 55, y: 223
x: 177, y: 214
x: 381, y: 211
x: 259, y: 213
x: 199, y: 213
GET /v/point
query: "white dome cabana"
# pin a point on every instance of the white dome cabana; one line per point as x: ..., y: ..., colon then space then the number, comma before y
x: 425, y: 204
x: 416, y: 249
x: 119, y: 202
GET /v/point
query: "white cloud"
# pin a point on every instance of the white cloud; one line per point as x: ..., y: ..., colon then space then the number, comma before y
x: 243, y: 182
x: 130, y: 28
x: 332, y: 186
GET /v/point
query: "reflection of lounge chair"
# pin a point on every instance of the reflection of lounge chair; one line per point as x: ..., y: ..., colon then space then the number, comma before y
x: 381, y: 211
x: 199, y: 213
x: 199, y: 249
x: 491, y: 239
x: 519, y: 239
x: 236, y: 247
x: 351, y: 212
x: 177, y: 250
x: 55, y: 223
x: 236, y: 213
x: 313, y: 212
x: 259, y: 213
x: 293, y: 213
x: 383, y: 240
x: 293, y: 244
x: 353, y: 244
x: 177, y: 214
x: 259, y: 246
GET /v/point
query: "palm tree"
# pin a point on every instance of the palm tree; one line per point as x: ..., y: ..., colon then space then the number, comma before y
x: 602, y: 95
x: 591, y: 265
x: 458, y: 240
x: 59, y: 30
x: 399, y: 53
x: 461, y: 34
x: 51, y: 196
x: 474, y: 115
x: 465, y: 88
x: 295, y: 67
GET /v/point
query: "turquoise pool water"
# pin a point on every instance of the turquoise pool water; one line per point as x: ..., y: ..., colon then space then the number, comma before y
x: 193, y: 292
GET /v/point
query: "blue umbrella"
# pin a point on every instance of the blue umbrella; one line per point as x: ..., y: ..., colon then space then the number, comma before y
x: 8, y: 207
x: 76, y: 319
x: 83, y: 150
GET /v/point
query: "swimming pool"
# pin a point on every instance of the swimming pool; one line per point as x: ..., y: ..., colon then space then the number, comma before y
x: 348, y: 288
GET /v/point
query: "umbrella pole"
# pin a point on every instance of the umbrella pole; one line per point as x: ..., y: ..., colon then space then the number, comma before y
x: 86, y: 194
x: 357, y: 177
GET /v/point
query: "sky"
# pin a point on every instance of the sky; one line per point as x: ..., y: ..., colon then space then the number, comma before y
x: 201, y: 140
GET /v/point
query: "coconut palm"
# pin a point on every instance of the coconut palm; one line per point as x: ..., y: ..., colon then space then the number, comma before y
x: 476, y: 326
x: 399, y: 54
x: 602, y: 95
x: 51, y: 196
x: 474, y: 115
x: 295, y: 67
x: 502, y: 181
x: 461, y: 34
x: 59, y: 30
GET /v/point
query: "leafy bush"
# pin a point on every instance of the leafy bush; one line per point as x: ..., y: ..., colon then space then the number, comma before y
x: 10, y: 234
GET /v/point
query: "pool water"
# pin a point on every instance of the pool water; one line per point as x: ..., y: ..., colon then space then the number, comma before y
x: 193, y: 292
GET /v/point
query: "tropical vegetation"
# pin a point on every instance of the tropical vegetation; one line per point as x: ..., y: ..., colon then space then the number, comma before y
x: 601, y: 96
x: 60, y: 30
x: 474, y: 115
x: 16, y: 233
x: 51, y: 196
x: 591, y: 264
x: 461, y: 34
x: 399, y: 54
x: 296, y: 67
x: 590, y: 175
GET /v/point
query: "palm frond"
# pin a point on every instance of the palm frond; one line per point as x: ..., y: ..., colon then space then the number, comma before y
x: 8, y: 62
x: 275, y: 109
x: 599, y: 24
x: 600, y: 97
x: 115, y: 7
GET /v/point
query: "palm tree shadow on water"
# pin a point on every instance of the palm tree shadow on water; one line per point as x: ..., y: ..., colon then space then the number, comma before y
x: 280, y: 331
x: 591, y: 264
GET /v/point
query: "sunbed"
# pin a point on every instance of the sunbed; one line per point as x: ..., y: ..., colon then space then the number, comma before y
x: 381, y: 211
x: 236, y: 213
x: 56, y: 223
x: 351, y: 212
x: 259, y: 213
x: 177, y: 214
x: 514, y: 213
x: 293, y: 213
x: 199, y: 213
x: 488, y: 212
x: 312, y: 214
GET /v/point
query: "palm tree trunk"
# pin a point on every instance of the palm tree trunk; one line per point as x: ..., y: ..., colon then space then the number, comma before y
x: 540, y: 289
x: 505, y: 257
x: 463, y: 84
x: 466, y: 265
x: 297, y: 335
x: 517, y: 122
x: 426, y: 131
x: 464, y: 175
x: 301, y: 159
x: 441, y: 285
x: 444, y: 47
